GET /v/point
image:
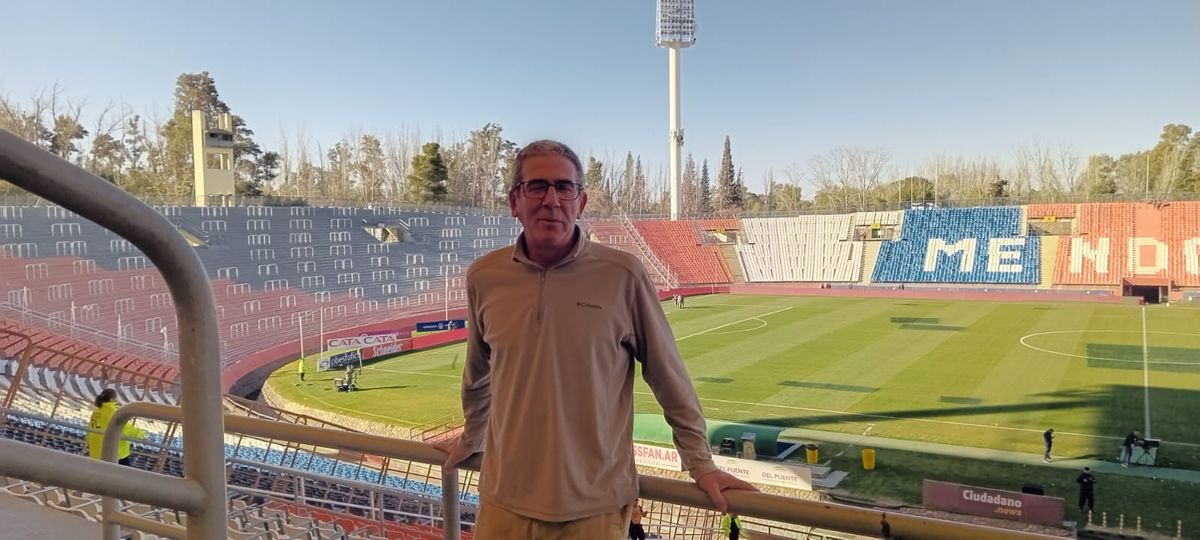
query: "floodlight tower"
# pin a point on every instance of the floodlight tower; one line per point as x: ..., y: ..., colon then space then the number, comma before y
x: 676, y: 30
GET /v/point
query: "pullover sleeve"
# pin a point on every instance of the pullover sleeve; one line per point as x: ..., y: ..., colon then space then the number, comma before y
x: 477, y: 379
x: 664, y: 372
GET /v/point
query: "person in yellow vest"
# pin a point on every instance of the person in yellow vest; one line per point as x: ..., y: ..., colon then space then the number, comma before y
x: 300, y: 368
x: 731, y: 527
x: 106, y: 405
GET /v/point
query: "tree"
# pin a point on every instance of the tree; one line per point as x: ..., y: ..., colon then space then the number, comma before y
x: 198, y: 91
x: 705, y: 205
x: 689, y: 189
x: 600, y: 200
x: 266, y: 168
x: 1171, y: 160
x: 625, y: 196
x: 737, y: 196
x: 641, y: 198
x: 998, y: 189
x: 788, y: 197
x: 106, y: 157
x: 370, y: 168
x: 67, y: 130
x: 846, y: 176
x: 727, y: 193
x: 427, y: 181
x: 1100, y: 175
x: 907, y: 190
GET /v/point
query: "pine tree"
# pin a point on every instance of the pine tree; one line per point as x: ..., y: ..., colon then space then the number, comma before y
x: 706, y: 202
x: 641, y: 198
x: 737, y: 196
x: 626, y: 198
x: 689, y: 188
x: 727, y: 195
x: 428, y: 176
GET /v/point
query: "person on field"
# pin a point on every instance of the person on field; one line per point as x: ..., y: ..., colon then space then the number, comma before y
x: 636, y: 532
x: 1133, y: 438
x: 1087, y: 489
x: 555, y: 327
x: 1049, y: 437
x: 106, y: 406
x: 300, y: 368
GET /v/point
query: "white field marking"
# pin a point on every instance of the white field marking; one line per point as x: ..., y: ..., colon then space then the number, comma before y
x: 740, y: 305
x: 927, y: 420
x: 356, y: 411
x: 1146, y: 371
x: 1086, y: 357
x: 413, y: 372
x: 732, y: 323
x: 763, y: 325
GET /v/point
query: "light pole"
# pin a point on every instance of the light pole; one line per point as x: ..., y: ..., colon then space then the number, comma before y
x: 676, y: 30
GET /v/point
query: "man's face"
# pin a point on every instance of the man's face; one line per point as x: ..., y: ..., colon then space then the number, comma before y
x: 550, y: 221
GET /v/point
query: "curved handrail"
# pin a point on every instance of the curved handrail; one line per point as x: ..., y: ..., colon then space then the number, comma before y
x: 821, y: 514
x: 90, y: 196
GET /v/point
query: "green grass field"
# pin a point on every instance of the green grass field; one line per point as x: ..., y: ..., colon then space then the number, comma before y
x: 982, y: 374
x: 985, y: 374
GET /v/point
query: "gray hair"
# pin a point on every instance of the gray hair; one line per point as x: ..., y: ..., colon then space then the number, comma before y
x: 545, y: 147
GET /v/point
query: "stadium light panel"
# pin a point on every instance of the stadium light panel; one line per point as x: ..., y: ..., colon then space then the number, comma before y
x: 676, y: 24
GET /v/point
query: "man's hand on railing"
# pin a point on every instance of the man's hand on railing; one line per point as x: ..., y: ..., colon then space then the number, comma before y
x: 717, y: 481
x: 456, y: 454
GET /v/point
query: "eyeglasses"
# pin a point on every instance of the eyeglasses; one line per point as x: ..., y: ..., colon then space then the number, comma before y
x: 566, y: 190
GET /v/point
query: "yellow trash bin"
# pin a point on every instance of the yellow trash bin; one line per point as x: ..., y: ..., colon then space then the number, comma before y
x: 868, y: 455
x: 812, y: 453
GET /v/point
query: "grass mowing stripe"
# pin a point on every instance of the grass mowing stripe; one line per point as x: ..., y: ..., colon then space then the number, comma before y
x: 1146, y: 371
x: 888, y: 417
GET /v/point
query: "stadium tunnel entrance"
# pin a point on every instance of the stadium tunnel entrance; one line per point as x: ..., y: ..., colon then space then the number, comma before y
x: 1150, y: 290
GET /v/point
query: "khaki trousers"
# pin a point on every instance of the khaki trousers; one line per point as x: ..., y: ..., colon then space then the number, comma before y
x: 495, y: 523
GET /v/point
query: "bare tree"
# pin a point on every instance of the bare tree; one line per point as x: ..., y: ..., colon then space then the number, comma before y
x: 848, y: 175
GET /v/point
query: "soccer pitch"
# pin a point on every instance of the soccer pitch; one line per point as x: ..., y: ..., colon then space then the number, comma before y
x: 982, y: 374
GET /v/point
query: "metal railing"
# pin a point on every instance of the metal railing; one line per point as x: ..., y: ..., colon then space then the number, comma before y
x: 648, y: 254
x: 825, y: 515
x: 202, y: 492
x: 88, y: 334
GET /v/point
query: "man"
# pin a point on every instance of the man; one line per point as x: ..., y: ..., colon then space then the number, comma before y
x: 1049, y: 436
x: 1087, y: 486
x: 1127, y: 446
x: 636, y: 531
x: 300, y: 368
x: 555, y: 324
x: 731, y: 526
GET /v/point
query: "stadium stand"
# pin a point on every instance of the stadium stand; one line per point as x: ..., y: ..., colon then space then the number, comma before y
x: 1181, y: 232
x: 1042, y: 211
x: 805, y: 248
x: 271, y: 268
x: 50, y: 407
x: 960, y: 245
x: 1097, y: 254
x: 678, y: 246
x: 620, y: 234
x: 1119, y: 241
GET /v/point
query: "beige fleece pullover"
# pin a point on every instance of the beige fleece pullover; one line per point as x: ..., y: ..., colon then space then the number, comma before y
x: 548, y: 384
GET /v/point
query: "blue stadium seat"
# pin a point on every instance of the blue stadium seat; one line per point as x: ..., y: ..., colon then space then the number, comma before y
x: 960, y: 245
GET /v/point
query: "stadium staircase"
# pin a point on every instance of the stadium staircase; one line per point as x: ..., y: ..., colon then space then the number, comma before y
x: 620, y: 234
x: 733, y: 262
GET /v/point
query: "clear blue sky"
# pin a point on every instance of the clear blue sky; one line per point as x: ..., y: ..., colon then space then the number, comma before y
x: 786, y: 79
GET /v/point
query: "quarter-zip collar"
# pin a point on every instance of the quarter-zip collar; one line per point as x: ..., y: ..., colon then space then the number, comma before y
x: 521, y: 252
